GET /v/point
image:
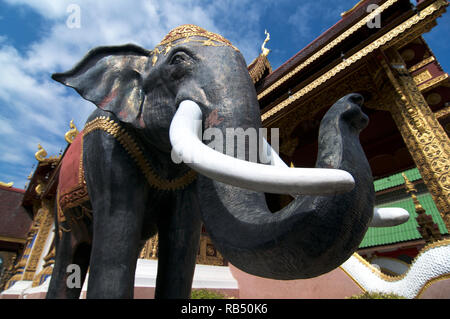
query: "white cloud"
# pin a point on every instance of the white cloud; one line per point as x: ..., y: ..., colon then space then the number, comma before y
x: 35, y: 109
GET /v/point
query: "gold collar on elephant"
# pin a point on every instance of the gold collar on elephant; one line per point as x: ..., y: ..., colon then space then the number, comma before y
x: 135, y: 151
x: 186, y: 32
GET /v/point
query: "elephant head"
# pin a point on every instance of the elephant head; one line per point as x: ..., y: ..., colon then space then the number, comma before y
x: 194, y: 80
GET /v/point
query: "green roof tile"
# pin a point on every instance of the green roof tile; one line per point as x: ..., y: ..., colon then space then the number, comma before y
x: 396, y: 179
x: 407, y: 231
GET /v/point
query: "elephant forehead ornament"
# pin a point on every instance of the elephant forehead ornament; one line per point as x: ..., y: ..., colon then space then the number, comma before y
x: 186, y: 32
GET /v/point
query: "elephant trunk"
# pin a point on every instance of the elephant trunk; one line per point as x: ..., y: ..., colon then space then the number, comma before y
x: 313, y: 234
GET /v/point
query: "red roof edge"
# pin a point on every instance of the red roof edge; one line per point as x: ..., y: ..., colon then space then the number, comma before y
x: 12, y: 189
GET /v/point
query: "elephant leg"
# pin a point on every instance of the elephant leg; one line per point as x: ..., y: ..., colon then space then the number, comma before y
x: 178, y: 240
x: 118, y: 193
x: 72, y: 249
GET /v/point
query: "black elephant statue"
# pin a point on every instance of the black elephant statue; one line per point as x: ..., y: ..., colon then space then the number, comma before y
x: 146, y: 170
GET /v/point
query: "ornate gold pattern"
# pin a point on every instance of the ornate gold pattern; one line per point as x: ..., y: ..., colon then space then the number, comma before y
x: 47, y: 270
x: 150, y: 249
x: 436, y: 81
x: 19, y: 269
x: 208, y: 254
x: 72, y: 133
x: 328, y: 47
x: 422, y: 77
x: 186, y: 32
x: 427, y: 228
x: 425, y: 138
x: 189, y: 30
x: 421, y: 64
x: 258, y: 67
x: 39, y: 242
x: 347, y: 62
x: 129, y: 144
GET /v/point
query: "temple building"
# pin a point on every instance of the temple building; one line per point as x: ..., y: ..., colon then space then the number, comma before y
x: 378, y: 53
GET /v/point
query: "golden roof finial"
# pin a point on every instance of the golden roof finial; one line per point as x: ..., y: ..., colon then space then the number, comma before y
x: 41, y: 154
x: 72, y: 133
x: 343, y: 14
x: 265, y: 51
x: 9, y: 185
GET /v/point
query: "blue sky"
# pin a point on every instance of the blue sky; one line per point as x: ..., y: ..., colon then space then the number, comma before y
x: 35, y: 42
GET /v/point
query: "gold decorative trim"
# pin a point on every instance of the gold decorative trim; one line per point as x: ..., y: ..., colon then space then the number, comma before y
x: 433, y: 82
x: 129, y: 144
x: 328, y: 47
x: 430, y: 283
x: 258, y: 67
x: 347, y: 62
x: 421, y: 64
x: 13, y: 240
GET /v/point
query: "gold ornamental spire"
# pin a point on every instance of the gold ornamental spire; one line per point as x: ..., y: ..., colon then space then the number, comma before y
x: 265, y: 51
x: 41, y: 155
x: 72, y: 133
x: 9, y: 185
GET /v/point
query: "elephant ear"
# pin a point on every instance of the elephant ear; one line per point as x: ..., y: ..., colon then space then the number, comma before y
x: 111, y: 78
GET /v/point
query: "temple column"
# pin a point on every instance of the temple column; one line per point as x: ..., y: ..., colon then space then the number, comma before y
x: 424, y: 136
x: 45, y: 217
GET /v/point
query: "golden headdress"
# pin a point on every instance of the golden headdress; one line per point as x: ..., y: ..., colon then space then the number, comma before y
x: 186, y: 32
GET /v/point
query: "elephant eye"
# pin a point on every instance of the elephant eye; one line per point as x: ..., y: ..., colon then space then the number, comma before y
x: 178, y: 58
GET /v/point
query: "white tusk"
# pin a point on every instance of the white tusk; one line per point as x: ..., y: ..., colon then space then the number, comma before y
x: 389, y: 216
x: 188, y: 147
